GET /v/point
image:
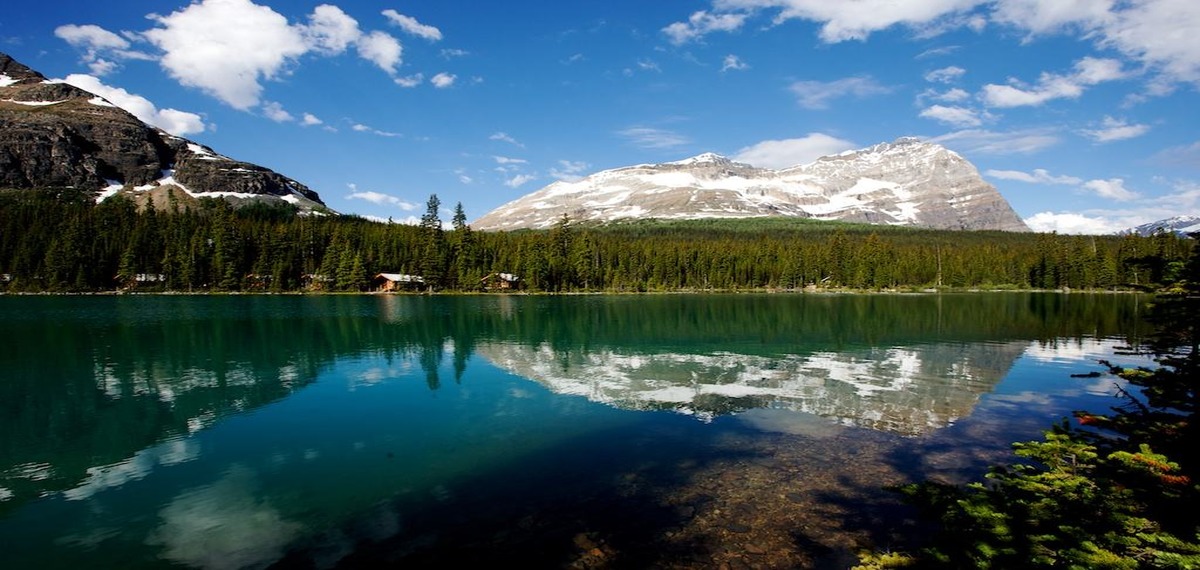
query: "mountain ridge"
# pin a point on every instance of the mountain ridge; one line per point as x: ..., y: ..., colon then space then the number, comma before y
x: 53, y: 134
x: 904, y: 182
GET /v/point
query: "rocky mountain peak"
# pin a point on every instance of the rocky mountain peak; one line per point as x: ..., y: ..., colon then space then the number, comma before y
x: 55, y: 135
x: 904, y: 182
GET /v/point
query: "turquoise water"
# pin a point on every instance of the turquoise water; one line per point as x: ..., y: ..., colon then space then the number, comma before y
x: 318, y: 431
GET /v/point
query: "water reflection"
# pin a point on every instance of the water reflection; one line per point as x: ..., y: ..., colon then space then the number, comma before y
x: 907, y: 390
x: 221, y: 432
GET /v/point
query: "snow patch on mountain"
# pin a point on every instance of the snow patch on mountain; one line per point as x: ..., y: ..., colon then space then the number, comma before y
x: 905, y: 182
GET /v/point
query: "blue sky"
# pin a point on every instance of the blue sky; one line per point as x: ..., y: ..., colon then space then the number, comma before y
x: 1084, y: 113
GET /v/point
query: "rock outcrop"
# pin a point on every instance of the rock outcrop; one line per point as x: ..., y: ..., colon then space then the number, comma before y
x: 55, y: 135
x: 905, y: 182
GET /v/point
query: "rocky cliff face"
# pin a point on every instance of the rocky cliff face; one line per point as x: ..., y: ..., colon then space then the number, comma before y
x: 905, y: 182
x: 57, y: 135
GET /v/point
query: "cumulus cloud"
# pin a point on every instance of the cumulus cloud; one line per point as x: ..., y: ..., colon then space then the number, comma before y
x: 792, y: 152
x: 381, y: 49
x: 519, y: 180
x: 1038, y: 176
x: 733, y: 63
x: 410, y: 80
x: 1088, y: 71
x: 702, y: 23
x: 960, y: 117
x: 818, y: 94
x: 982, y: 141
x: 842, y: 21
x: 1073, y: 223
x: 330, y: 30
x: 309, y: 119
x: 1113, y: 189
x: 173, y: 121
x: 443, y: 80
x: 276, y: 112
x: 98, y: 44
x: 411, y: 26
x: 945, y: 75
x: 379, y: 198
x: 649, y: 137
x: 1115, y: 130
x: 229, y: 48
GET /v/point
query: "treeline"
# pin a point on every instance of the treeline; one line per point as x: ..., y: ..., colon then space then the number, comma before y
x: 61, y: 241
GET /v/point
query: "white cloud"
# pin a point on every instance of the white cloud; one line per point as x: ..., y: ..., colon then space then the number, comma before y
x: 701, y: 23
x: 310, y: 119
x: 519, y: 180
x: 361, y: 128
x: 734, y: 63
x: 91, y: 37
x: 1046, y: 16
x: 945, y: 75
x: 1115, y: 130
x: 228, y: 48
x: 569, y: 171
x: 1088, y: 71
x: 504, y: 137
x: 981, y: 141
x: 648, y: 65
x: 381, y: 49
x: 649, y: 137
x: 443, y: 80
x: 938, y: 51
x: 507, y: 160
x: 410, y: 80
x: 171, y: 120
x: 1038, y: 176
x: 450, y: 53
x: 379, y: 198
x: 275, y: 112
x: 1072, y: 223
x: 225, y: 47
x: 857, y: 20
x: 792, y: 152
x: 1113, y: 189
x: 330, y: 30
x: 817, y: 94
x: 412, y: 26
x: 960, y: 117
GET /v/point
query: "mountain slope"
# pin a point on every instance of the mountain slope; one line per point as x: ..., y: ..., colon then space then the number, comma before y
x: 905, y: 182
x: 56, y: 135
x: 1182, y: 225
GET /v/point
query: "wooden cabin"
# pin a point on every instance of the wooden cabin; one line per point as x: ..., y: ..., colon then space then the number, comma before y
x: 389, y: 282
x: 501, y: 281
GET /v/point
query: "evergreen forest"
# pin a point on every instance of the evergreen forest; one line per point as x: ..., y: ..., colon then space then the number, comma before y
x: 61, y: 241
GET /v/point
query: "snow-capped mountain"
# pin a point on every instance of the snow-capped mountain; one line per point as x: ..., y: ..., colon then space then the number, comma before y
x: 905, y: 390
x: 54, y: 135
x: 1182, y: 225
x: 905, y: 182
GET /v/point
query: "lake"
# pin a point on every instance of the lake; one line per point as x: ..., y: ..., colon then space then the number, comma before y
x: 582, y: 431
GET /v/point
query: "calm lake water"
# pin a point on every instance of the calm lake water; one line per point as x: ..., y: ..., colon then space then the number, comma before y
x: 610, y: 431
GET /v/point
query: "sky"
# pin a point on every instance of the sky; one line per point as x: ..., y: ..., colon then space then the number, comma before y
x: 1083, y: 113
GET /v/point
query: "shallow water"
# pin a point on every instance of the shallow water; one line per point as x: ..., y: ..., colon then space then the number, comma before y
x: 674, y: 431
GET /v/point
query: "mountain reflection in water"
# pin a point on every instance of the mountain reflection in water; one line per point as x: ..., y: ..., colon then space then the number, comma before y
x: 239, y: 431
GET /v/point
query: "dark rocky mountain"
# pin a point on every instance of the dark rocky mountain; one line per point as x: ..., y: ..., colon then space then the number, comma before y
x: 905, y: 182
x: 54, y: 135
